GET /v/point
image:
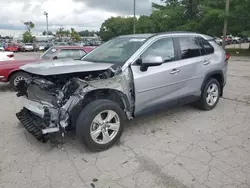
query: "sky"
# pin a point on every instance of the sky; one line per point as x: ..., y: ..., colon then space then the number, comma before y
x: 80, y: 14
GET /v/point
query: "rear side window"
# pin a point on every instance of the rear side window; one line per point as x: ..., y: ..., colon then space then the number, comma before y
x: 69, y: 53
x: 206, y: 47
x: 190, y: 47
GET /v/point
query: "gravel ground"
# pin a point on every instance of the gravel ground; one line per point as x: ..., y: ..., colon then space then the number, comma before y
x: 179, y: 148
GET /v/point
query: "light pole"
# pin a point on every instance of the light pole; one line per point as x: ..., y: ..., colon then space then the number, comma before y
x: 225, y: 24
x: 46, y: 14
x: 134, y: 18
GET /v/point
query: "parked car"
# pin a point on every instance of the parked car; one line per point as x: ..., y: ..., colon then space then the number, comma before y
x: 228, y: 39
x: 10, y: 71
x: 245, y: 39
x: 47, y: 46
x: 6, y: 56
x: 118, y: 81
x: 28, y: 47
x: 236, y: 40
x: 1, y: 48
x: 13, y: 48
x: 218, y: 40
x: 42, y: 47
x: 62, y: 52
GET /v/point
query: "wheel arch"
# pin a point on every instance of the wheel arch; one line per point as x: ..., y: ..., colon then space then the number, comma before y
x: 218, y: 75
x: 13, y: 72
x: 111, y: 94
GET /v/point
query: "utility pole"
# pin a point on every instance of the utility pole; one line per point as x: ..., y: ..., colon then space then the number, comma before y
x: 134, y: 17
x: 46, y: 14
x: 225, y: 23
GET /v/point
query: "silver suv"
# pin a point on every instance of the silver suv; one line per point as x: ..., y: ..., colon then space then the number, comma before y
x: 118, y: 81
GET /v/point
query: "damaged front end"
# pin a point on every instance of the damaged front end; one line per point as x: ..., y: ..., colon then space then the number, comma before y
x: 50, y: 101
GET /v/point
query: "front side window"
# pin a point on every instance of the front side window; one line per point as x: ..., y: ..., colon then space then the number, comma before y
x: 48, y: 54
x: 116, y: 51
x: 163, y: 48
x: 190, y: 47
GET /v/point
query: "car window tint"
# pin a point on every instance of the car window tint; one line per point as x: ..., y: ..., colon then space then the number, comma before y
x: 190, y: 47
x: 206, y: 47
x: 162, y: 47
x: 69, y: 53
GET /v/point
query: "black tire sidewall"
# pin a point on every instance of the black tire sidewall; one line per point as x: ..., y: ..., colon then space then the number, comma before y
x: 86, y: 117
x: 203, y: 102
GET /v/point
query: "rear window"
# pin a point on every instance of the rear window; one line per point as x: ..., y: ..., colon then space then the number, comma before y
x: 47, y: 55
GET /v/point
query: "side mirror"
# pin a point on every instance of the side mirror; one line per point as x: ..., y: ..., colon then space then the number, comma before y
x: 55, y: 57
x: 150, y: 61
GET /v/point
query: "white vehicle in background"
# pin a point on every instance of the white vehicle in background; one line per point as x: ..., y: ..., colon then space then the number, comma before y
x: 28, y: 47
x: 6, y: 56
x: 218, y: 40
x: 237, y: 40
x: 42, y: 47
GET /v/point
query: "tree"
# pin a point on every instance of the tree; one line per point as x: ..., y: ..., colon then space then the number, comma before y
x: 60, y: 33
x: 29, y: 25
x: 74, y: 35
x: 27, y: 37
x: 49, y: 32
x: 115, y: 26
x: 85, y: 33
x: 185, y: 15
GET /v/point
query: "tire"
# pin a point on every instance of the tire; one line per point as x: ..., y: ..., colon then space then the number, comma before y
x: 14, y: 76
x: 203, y: 104
x: 85, y: 123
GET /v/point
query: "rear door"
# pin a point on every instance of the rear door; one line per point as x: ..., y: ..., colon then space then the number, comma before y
x: 195, y: 62
x: 158, y: 86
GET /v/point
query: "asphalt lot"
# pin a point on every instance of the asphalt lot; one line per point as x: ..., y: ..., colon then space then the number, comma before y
x: 178, y: 148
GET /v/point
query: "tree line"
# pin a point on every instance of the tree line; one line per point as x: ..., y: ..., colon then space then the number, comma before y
x: 204, y: 16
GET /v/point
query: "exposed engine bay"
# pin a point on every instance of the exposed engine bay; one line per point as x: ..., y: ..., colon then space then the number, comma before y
x: 51, y: 103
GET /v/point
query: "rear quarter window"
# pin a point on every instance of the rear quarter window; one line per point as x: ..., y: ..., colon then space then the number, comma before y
x: 207, y: 48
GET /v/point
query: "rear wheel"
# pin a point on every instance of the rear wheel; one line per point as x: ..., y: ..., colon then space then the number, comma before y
x: 100, y: 124
x: 17, y: 77
x: 210, y: 95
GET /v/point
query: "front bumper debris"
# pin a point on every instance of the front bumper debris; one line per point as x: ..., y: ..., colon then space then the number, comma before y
x: 32, y: 124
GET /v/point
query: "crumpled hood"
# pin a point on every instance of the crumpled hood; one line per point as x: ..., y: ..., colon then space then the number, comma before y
x: 55, y: 67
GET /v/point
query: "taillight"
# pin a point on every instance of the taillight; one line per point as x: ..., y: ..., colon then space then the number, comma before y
x: 227, y: 56
x: 10, y: 55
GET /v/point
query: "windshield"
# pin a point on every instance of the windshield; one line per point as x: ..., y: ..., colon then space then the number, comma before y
x: 47, y: 55
x: 116, y: 51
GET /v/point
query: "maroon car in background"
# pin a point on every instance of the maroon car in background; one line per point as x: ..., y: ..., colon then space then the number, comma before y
x: 10, y: 72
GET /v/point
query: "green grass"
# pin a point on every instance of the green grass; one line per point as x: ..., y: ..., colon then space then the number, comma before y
x: 238, y: 52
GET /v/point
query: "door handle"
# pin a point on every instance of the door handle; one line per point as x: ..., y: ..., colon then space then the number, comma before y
x: 174, y: 71
x: 206, y: 62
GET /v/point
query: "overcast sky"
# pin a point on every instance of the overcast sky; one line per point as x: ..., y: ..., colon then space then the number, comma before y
x: 80, y: 14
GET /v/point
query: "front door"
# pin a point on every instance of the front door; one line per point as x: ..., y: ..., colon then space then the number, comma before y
x: 158, y: 87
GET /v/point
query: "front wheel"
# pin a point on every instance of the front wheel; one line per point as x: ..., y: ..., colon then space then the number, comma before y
x: 100, y: 124
x: 17, y: 77
x: 210, y: 95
